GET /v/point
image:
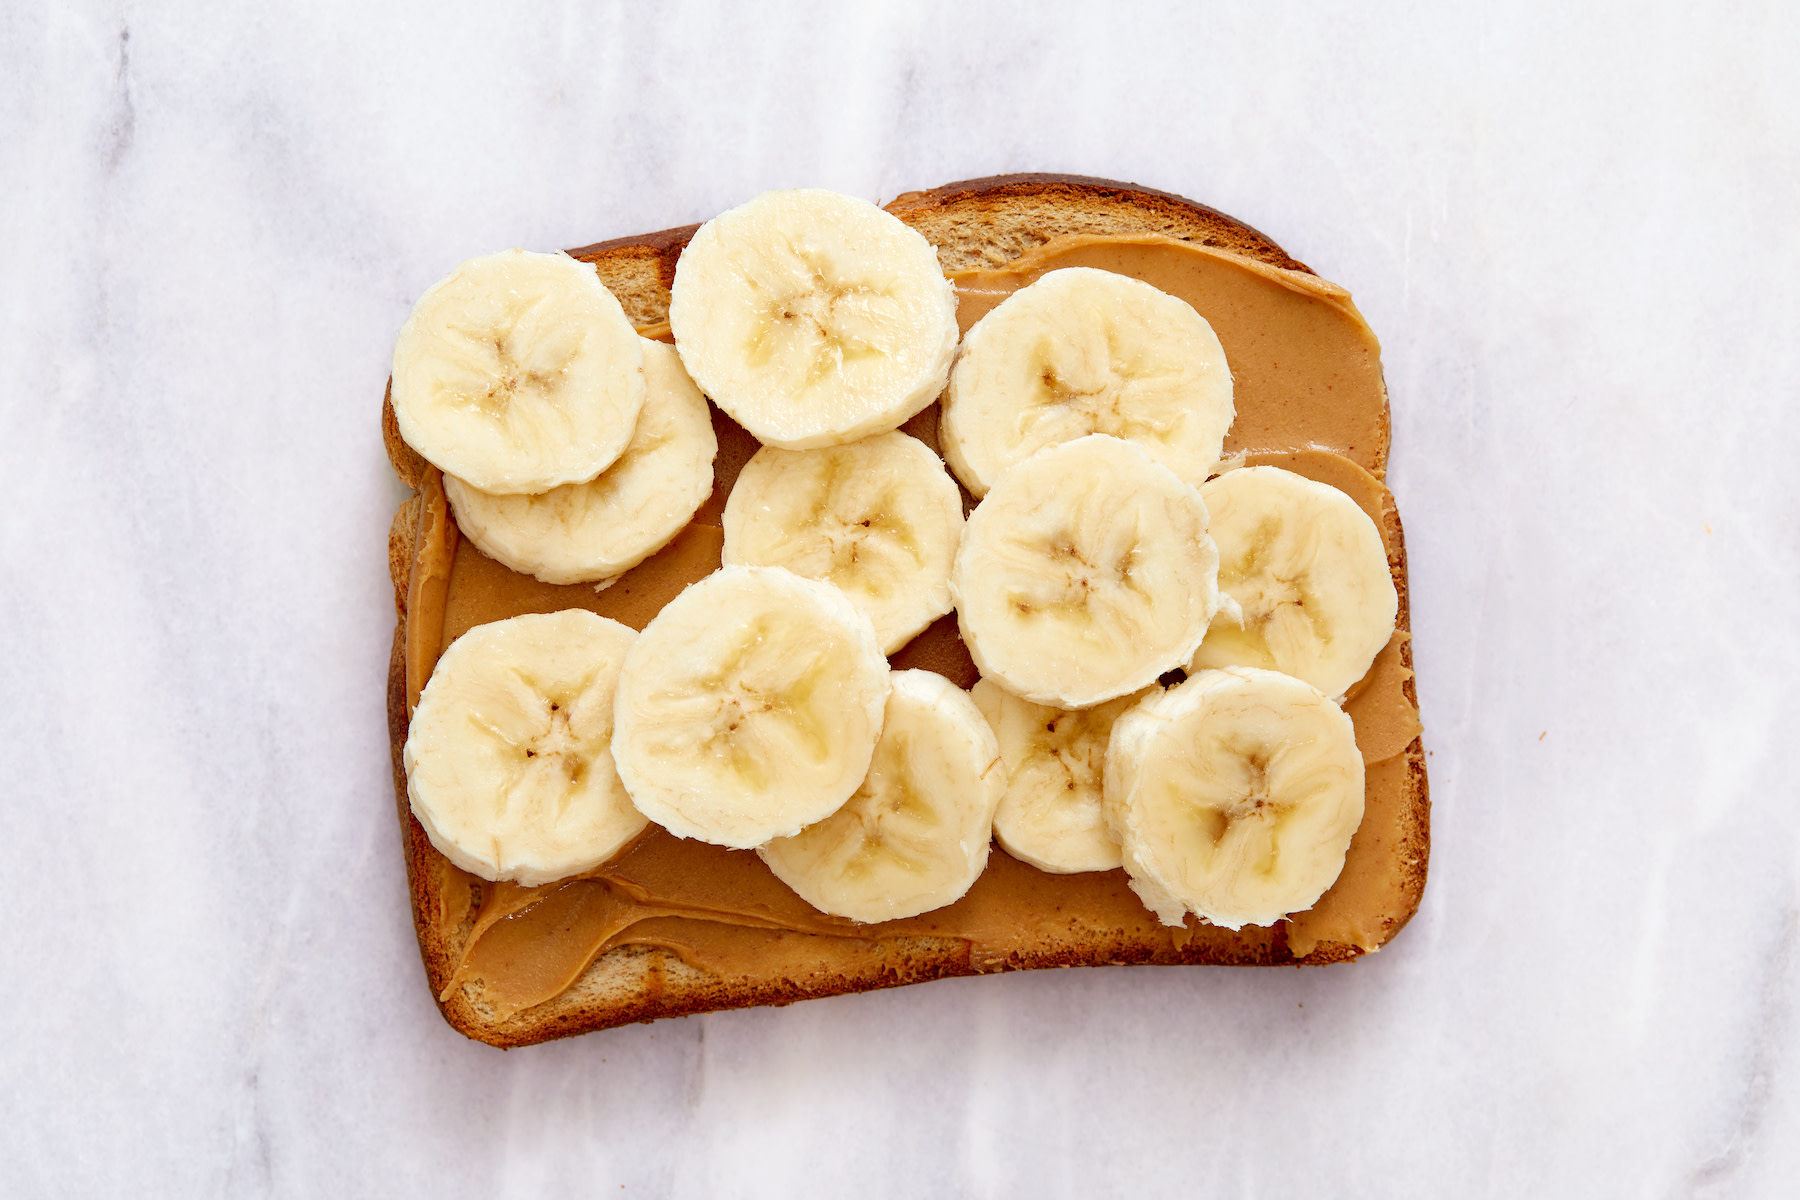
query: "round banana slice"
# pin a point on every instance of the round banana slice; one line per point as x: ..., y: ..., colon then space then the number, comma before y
x: 749, y: 707
x: 1308, y: 570
x: 1234, y: 796
x: 1084, y: 351
x: 1084, y: 574
x: 580, y: 532
x: 1050, y: 816
x: 508, y: 762
x: 813, y: 318
x: 879, y: 519
x: 518, y: 373
x: 915, y: 835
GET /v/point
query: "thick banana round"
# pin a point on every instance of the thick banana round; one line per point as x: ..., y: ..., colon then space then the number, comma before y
x: 1055, y: 760
x: 1084, y: 351
x: 879, y: 519
x: 518, y: 373
x: 749, y: 707
x: 581, y: 532
x: 813, y: 318
x: 1234, y: 796
x: 915, y: 835
x: 509, y: 763
x: 1308, y: 570
x: 1084, y: 574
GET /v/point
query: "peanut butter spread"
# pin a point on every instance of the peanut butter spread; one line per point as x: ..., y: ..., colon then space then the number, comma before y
x: 1309, y: 398
x: 1305, y: 366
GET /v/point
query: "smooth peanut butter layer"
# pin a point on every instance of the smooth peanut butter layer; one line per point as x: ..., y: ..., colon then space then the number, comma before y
x: 1309, y: 398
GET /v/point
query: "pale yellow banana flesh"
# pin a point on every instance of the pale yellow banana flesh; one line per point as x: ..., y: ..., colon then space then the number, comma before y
x: 1082, y: 351
x: 1085, y: 574
x: 813, y: 318
x: 518, y: 373
x: 1308, y: 569
x: 879, y: 519
x: 581, y: 532
x: 749, y: 707
x: 915, y: 835
x: 508, y: 760
x: 1234, y: 796
x: 1055, y: 760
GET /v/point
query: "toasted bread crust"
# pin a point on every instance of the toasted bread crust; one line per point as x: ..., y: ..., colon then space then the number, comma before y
x: 408, y: 463
x: 988, y: 222
x: 975, y: 224
x: 640, y: 270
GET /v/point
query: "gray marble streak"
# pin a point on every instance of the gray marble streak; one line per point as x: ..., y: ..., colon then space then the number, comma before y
x: 1573, y: 228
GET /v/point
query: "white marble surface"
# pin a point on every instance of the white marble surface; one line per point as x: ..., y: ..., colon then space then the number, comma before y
x: 1573, y: 227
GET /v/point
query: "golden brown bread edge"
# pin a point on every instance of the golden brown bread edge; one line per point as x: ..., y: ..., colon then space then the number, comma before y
x: 975, y: 223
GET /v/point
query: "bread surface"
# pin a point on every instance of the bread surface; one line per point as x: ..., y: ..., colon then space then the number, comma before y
x: 979, y: 223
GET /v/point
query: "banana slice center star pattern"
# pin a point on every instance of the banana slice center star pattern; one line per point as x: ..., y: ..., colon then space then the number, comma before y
x: 814, y: 319
x: 518, y: 373
x: 509, y: 760
x: 503, y: 371
x: 495, y: 378
x: 896, y: 820
x: 855, y: 527
x: 824, y: 324
x: 558, y: 750
x: 1051, y: 814
x: 1272, y: 585
x: 1080, y: 352
x: 1309, y: 572
x: 1085, y: 571
x: 914, y: 835
x: 764, y: 700
x: 749, y: 707
x: 1092, y: 384
x: 1234, y: 796
x: 581, y: 532
x: 1249, y: 808
x: 879, y: 518
x: 1070, y: 743
x: 1085, y: 574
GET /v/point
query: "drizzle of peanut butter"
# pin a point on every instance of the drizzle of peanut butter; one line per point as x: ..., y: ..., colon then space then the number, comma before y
x: 1309, y: 398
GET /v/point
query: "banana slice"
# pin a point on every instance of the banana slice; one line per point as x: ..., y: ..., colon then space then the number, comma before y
x: 1234, y: 796
x: 1309, y: 572
x: 813, y: 318
x: 915, y: 835
x: 749, y: 707
x: 879, y: 519
x: 581, y: 532
x: 508, y: 761
x: 1050, y: 816
x: 518, y: 373
x: 1084, y: 574
x: 1083, y: 351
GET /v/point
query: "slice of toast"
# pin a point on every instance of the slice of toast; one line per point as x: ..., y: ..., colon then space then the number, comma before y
x: 1052, y: 920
